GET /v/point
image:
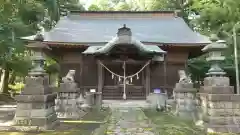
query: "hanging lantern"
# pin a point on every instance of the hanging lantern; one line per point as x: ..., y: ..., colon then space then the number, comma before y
x: 137, y: 76
x: 112, y: 76
x: 119, y: 79
x: 131, y: 80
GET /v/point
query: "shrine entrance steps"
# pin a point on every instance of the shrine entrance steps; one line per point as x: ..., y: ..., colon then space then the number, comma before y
x: 132, y: 93
x: 126, y: 104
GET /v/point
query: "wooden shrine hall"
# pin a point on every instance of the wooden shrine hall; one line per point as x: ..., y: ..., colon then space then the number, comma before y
x: 123, y: 54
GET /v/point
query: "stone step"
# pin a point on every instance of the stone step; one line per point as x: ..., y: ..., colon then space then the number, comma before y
x: 223, y: 120
x: 7, y: 116
x: 120, y: 97
x: 7, y: 113
x: 223, y: 112
x: 223, y: 128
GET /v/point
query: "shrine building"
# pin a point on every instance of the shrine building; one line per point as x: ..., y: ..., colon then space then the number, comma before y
x: 123, y: 52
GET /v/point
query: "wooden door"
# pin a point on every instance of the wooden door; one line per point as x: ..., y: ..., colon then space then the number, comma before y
x: 113, y: 86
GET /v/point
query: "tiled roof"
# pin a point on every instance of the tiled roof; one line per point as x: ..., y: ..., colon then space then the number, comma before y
x: 146, y: 27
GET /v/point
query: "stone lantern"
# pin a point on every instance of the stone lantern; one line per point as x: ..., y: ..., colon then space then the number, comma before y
x: 38, y: 57
x: 219, y: 104
x: 35, y: 105
x: 215, y: 56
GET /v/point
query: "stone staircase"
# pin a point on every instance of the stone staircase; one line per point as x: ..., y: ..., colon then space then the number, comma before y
x: 126, y: 103
x: 116, y: 93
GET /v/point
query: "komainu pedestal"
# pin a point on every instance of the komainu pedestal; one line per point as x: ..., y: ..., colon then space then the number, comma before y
x: 184, y: 95
x: 69, y: 101
x: 221, y: 107
x: 35, y: 105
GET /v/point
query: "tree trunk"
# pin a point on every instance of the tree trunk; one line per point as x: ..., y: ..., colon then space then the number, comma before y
x: 12, y: 78
x: 5, y: 81
x: 1, y: 81
x: 1, y: 72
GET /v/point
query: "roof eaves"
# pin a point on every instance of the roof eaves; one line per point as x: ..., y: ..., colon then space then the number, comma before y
x: 154, y: 49
x: 134, y: 12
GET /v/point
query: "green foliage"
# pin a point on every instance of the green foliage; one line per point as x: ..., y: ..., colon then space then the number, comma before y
x: 216, y: 17
x: 16, y: 88
x: 19, y: 18
x: 93, y: 7
x: 141, y: 5
x: 132, y: 5
x: 71, y: 4
x: 198, y: 68
x: 14, y: 25
x: 51, y: 66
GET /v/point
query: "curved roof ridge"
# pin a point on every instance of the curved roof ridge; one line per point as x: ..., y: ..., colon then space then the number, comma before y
x: 117, y: 41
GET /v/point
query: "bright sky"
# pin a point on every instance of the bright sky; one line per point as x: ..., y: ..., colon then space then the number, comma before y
x: 86, y: 3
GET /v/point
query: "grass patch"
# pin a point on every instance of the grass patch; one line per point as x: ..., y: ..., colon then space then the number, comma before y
x: 167, y: 124
x: 97, y: 115
x: 73, y: 128
x: 46, y: 133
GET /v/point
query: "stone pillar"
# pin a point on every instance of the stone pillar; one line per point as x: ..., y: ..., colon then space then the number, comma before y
x: 90, y: 98
x: 98, y: 100
x: 221, y: 107
x: 35, y: 105
x: 69, y: 101
x: 185, y: 98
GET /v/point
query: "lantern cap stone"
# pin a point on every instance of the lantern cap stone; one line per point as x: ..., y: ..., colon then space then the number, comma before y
x: 215, y: 46
x: 37, y: 45
x: 214, y: 38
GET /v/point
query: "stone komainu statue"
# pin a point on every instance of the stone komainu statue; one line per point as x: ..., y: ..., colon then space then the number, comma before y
x: 69, y: 77
x: 183, y: 77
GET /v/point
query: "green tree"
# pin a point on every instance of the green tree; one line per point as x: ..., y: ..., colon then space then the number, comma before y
x: 17, y: 20
x: 216, y: 17
x: 142, y: 5
x: 71, y: 4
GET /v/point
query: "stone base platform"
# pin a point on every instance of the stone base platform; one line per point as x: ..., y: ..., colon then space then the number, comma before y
x: 71, y: 115
x: 222, y: 128
x: 221, y: 110
x: 11, y: 127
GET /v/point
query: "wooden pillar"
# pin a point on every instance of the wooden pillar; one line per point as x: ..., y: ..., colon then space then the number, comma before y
x: 100, y: 76
x: 148, y: 85
x: 81, y: 75
x: 165, y: 71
